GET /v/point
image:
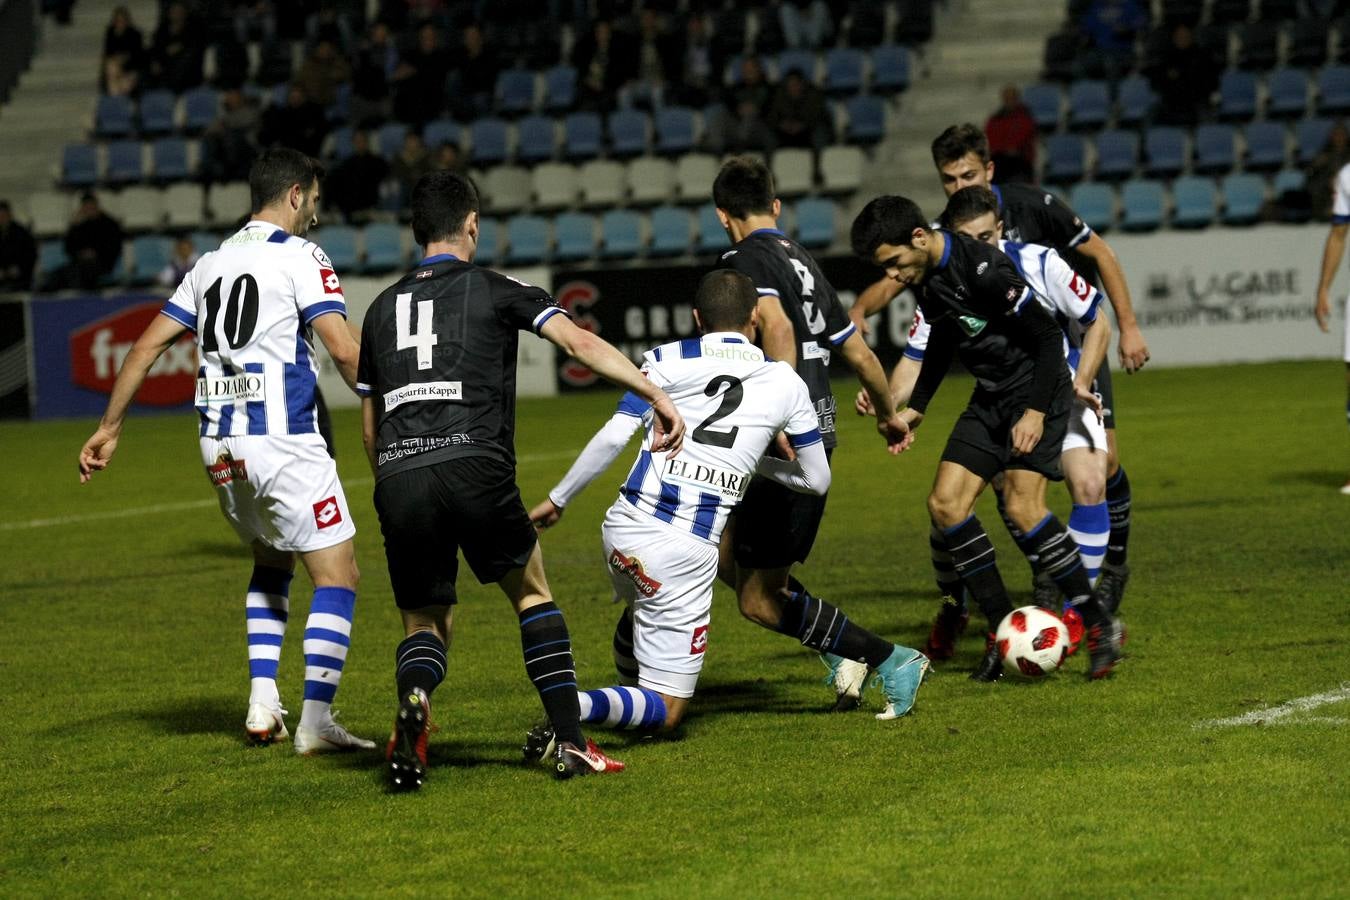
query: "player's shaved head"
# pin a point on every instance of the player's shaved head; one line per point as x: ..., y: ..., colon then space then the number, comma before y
x: 967, y: 204
x: 276, y: 171
x: 744, y: 188
x: 957, y: 141
x: 441, y: 204
x: 886, y: 220
x: 725, y: 300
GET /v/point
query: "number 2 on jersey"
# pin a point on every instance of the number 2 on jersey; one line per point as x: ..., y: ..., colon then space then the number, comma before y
x: 425, y: 338
x: 731, y: 401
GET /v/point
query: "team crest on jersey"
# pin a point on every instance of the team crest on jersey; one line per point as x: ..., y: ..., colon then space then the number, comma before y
x: 729, y: 254
x: 226, y: 469
x: 331, y: 285
x: 981, y: 268
x: 322, y: 258
x: 631, y: 566
x: 327, y: 513
x: 971, y: 325
x: 425, y: 273
x: 699, y: 642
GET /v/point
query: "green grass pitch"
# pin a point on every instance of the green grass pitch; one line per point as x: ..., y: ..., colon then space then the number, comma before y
x: 123, y: 665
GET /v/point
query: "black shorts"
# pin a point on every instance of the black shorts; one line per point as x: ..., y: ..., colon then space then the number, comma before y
x: 981, y: 440
x: 1102, y: 385
x: 775, y: 526
x: 468, y: 503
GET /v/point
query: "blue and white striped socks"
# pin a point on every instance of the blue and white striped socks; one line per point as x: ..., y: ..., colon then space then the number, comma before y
x: 267, y: 608
x: 1090, y: 526
x: 623, y: 707
x: 327, y: 638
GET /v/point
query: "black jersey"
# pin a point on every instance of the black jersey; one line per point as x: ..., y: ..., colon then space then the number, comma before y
x: 981, y: 310
x: 1032, y: 215
x: 780, y: 267
x: 438, y: 358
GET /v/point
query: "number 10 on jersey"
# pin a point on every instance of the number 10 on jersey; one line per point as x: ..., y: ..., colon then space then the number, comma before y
x: 425, y: 338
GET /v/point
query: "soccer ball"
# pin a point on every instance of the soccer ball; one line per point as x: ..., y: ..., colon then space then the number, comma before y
x: 1031, y: 642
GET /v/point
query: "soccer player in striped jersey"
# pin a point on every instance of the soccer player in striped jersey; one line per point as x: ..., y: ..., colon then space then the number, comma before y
x: 1332, y: 252
x: 661, y: 534
x: 255, y: 305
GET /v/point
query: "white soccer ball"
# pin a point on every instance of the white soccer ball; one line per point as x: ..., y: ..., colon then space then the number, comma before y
x: 1032, y: 642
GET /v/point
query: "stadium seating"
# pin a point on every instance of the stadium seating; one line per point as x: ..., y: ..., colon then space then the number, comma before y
x: 711, y: 237
x: 384, y: 247
x: 515, y: 92
x: 1095, y: 204
x: 1333, y: 90
x: 1117, y: 154
x: 169, y: 160
x: 341, y: 143
x: 1244, y: 196
x: 866, y: 119
x: 1164, y: 151
x: 229, y: 202
x: 1143, y: 205
x: 441, y: 131
x: 651, y: 180
x: 1311, y: 136
x: 1044, y: 101
x: 841, y: 169
x: 560, y: 89
x: 676, y: 130
x: 49, y: 212
x: 1214, y: 148
x: 628, y: 132
x: 694, y: 174
x: 556, y: 186
x: 1308, y: 42
x: 150, y: 254
x: 815, y: 222
x: 126, y: 163
x: 114, y: 117
x: 803, y: 61
x: 1065, y: 158
x: 200, y: 107
x: 508, y: 189
x: 620, y: 234
x: 1287, y: 93
x: 157, y: 112
x: 183, y: 206
x: 1265, y: 146
x: 340, y: 243
x: 1193, y: 201
x: 389, y: 139
x: 527, y: 240
x: 1237, y: 95
x: 489, y: 250
x: 1259, y: 46
x: 670, y: 229
x: 793, y: 171
x: 79, y: 165
x: 1089, y: 104
x: 603, y: 183
x: 890, y: 69
x: 142, y: 208
x: 536, y: 139
x: 583, y: 136
x: 844, y: 71
x: 489, y: 141
x: 1136, y: 101
x: 575, y: 236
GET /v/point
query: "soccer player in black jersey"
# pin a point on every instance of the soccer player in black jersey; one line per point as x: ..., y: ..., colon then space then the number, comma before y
x: 438, y: 376
x: 802, y: 323
x: 981, y: 310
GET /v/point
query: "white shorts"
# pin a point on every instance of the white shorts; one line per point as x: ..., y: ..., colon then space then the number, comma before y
x: 666, y: 577
x: 281, y: 490
x: 1085, y: 430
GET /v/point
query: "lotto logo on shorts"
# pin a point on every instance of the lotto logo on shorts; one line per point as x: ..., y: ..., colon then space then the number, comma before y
x: 331, y: 285
x: 326, y: 513
x: 700, y: 640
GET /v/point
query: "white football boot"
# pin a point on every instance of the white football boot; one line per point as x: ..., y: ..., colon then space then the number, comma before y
x: 847, y: 677
x: 265, y: 723
x: 329, y: 737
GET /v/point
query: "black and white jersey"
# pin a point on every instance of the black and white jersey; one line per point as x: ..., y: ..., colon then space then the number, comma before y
x: 780, y: 267
x: 438, y: 358
x: 1032, y: 215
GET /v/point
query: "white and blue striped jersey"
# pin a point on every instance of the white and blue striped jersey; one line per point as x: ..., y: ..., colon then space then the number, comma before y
x: 251, y: 304
x: 734, y: 402
x: 1340, y: 204
x: 1064, y: 293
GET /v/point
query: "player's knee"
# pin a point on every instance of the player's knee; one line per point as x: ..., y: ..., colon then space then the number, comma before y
x: 945, y: 510
x: 1025, y: 510
x: 758, y: 608
x: 1088, y: 489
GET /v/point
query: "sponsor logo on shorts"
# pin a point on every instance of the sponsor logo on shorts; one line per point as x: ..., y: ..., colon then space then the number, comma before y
x: 327, y: 512
x: 427, y: 390
x: 699, y: 642
x: 632, y: 567
x: 226, y: 469
x: 705, y: 477
x: 331, y: 285
x: 250, y: 387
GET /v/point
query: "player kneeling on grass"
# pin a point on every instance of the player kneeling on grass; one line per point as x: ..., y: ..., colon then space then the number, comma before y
x: 438, y: 377
x: 661, y: 535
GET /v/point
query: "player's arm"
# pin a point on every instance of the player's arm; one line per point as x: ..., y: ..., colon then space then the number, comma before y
x: 158, y: 336
x: 1096, y: 338
x: 1332, y: 254
x: 605, y: 360
x: 937, y: 359
x: 597, y: 456
x: 368, y: 424
x: 906, y: 372
x: 872, y: 300
x: 873, y: 379
x: 776, y: 333
x: 1042, y: 333
x: 1133, y: 349
x: 807, y: 473
x: 341, y: 345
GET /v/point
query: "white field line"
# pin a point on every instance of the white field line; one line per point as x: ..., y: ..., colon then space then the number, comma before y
x: 1277, y: 715
x: 79, y: 518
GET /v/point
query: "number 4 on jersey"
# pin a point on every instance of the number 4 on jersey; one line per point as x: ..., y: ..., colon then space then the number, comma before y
x: 425, y: 338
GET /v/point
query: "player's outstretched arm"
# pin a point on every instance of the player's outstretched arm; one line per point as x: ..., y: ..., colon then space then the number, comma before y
x: 807, y: 473
x: 873, y: 379
x: 368, y: 426
x: 600, y: 451
x: 776, y: 333
x: 1332, y: 254
x: 342, y: 346
x: 158, y: 336
x: 872, y: 300
x: 1133, y: 348
x: 1096, y: 338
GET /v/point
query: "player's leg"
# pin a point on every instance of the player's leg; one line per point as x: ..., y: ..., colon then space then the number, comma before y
x: 1345, y: 488
x: 1115, y: 567
x: 267, y: 608
x: 1089, y: 521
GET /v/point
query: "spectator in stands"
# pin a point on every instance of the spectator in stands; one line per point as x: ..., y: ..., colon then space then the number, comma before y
x: 806, y: 24
x: 419, y: 80
x: 449, y: 158
x: 601, y: 67
x: 177, y: 50
x: 1321, y: 177
x: 376, y: 62
x: 93, y: 245
x: 332, y: 23
x: 230, y: 142
x: 181, y: 260
x: 698, y: 76
x: 656, y: 61
x: 322, y: 72
x: 1184, y: 79
x: 255, y: 20
x: 353, y: 185
x: 412, y: 162
x: 18, y: 252
x: 299, y: 124
x: 1012, y: 138
x: 1111, y: 28
x: 797, y: 113
x: 123, y: 55
x: 474, y: 76
x: 742, y: 127
x: 232, y: 62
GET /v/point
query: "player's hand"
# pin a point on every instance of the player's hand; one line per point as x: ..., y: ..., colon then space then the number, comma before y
x: 1133, y: 349
x: 96, y: 452
x: 668, y: 426
x: 896, y: 432
x: 862, y: 404
x: 1090, y: 397
x: 782, y: 447
x: 1322, y: 312
x: 1026, y: 434
x: 546, y: 515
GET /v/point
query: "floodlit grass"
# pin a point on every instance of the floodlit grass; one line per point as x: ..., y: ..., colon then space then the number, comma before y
x: 122, y: 656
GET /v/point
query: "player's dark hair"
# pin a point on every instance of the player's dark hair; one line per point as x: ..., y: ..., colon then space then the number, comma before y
x: 957, y: 141
x: 725, y: 300
x: 744, y: 188
x: 886, y: 220
x: 968, y: 203
x: 275, y: 171
x: 441, y: 201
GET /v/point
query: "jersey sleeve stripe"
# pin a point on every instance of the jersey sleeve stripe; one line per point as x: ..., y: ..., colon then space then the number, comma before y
x: 769, y: 291
x: 1081, y: 236
x: 913, y: 353
x: 691, y: 348
x: 1090, y: 316
x: 843, y: 334
x: 633, y: 405
x: 363, y: 389
x: 545, y: 315
x: 322, y: 308
x: 1340, y: 220
x: 1022, y: 300
x: 805, y: 439
x: 180, y: 315
x: 278, y: 237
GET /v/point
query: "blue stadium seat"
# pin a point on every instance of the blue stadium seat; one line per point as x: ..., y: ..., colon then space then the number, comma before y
x: 489, y: 242
x: 384, y: 247
x: 1142, y: 202
x: 150, y: 255
x: 157, y: 112
x: 488, y: 137
x: 527, y: 240
x: 515, y: 92
x: 670, y: 231
x: 339, y: 242
x: 125, y: 165
x: 1214, y: 148
x: 815, y: 222
x: 1065, y: 158
x: 575, y: 233
x: 803, y: 61
x: 1044, y: 101
x: 866, y: 119
x: 1164, y: 150
x: 1289, y: 180
x: 1136, y: 101
x: 711, y: 238
x: 560, y: 89
x: 200, y: 106
x: 51, y: 257
x: 1193, y: 202
x: 1089, y: 104
x: 620, y: 234
x: 1243, y: 198
x: 1287, y: 91
x: 1237, y: 95
x: 844, y: 70
x: 1117, y: 155
x: 114, y: 117
x: 342, y: 143
x: 79, y: 165
x: 1311, y: 135
x: 1333, y: 90
x: 890, y: 69
x: 204, y: 241
x: 441, y: 131
x: 628, y: 132
x: 674, y: 130
x: 389, y: 139
x: 1265, y: 146
x: 583, y: 136
x: 535, y: 139
x: 340, y: 110
x: 1095, y: 204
